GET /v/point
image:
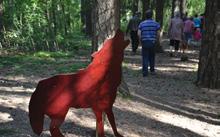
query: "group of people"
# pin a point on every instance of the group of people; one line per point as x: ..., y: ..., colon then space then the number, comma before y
x: 181, y: 31
x: 185, y: 31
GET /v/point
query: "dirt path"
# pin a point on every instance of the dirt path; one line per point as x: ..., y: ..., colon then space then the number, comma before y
x: 167, y: 104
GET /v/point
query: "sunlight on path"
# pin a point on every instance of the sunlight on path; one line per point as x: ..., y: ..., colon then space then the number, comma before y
x: 194, y: 125
x: 17, y: 98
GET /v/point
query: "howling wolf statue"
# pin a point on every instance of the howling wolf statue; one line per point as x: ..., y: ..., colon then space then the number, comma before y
x: 94, y: 87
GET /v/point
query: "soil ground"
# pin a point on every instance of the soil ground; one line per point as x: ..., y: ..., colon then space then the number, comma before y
x: 167, y: 104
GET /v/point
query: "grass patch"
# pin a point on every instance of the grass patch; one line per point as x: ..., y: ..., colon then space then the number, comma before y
x: 71, y: 68
x: 59, y: 54
x: 41, y: 63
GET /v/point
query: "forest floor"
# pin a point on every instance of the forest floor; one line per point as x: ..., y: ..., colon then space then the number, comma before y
x: 167, y: 104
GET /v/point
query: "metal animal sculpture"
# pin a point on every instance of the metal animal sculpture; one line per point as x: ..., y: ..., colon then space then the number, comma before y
x: 93, y: 87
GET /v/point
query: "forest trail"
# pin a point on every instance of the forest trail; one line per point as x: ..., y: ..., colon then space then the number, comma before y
x: 167, y: 104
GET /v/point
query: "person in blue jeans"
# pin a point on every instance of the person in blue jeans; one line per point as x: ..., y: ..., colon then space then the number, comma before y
x: 147, y: 33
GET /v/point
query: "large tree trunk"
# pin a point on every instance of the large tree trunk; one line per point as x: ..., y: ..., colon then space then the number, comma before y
x: 134, y: 6
x: 173, y: 8
x: 1, y: 18
x: 146, y: 6
x: 86, y: 16
x: 182, y: 7
x: 106, y: 20
x: 159, y: 18
x: 209, y: 61
x: 1, y: 22
x: 64, y: 21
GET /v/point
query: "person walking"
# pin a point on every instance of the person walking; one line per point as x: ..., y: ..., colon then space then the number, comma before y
x: 197, y: 21
x: 133, y: 29
x: 147, y: 33
x: 175, y: 32
x: 188, y: 30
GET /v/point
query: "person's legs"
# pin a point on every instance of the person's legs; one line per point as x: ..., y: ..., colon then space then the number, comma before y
x: 172, y: 43
x: 176, y: 43
x: 188, y: 37
x: 134, y: 39
x: 145, y: 58
x: 152, y: 58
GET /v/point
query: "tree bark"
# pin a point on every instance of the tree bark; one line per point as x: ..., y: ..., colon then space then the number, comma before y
x: 209, y: 61
x: 173, y: 8
x: 182, y: 8
x: 1, y: 23
x: 86, y: 16
x: 54, y: 17
x: 135, y: 6
x: 159, y: 19
x: 106, y: 20
x: 146, y: 6
x: 64, y: 22
x: 1, y: 18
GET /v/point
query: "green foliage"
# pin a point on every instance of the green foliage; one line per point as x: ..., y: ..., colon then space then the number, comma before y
x: 192, y: 7
x: 195, y: 7
x: 52, y: 25
x: 40, y: 25
x: 42, y: 63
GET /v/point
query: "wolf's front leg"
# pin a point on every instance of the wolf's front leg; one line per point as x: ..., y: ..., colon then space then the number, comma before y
x: 99, y: 123
x: 111, y: 119
x: 54, y: 127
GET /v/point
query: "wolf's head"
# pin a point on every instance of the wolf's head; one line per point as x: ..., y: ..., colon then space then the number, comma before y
x: 112, y: 50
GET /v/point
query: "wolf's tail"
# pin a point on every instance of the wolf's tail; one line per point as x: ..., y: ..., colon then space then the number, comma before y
x: 36, y: 114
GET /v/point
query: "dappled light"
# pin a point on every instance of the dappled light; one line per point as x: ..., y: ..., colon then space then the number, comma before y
x: 5, y: 117
x: 170, y: 117
x: 65, y: 70
x: 167, y: 104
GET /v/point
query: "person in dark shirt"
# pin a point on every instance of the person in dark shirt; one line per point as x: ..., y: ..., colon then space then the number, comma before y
x: 133, y: 29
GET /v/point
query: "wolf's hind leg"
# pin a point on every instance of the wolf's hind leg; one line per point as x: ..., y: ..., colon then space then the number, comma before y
x: 111, y: 119
x: 54, y: 127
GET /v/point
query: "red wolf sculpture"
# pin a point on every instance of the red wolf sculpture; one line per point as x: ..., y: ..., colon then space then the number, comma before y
x: 93, y: 87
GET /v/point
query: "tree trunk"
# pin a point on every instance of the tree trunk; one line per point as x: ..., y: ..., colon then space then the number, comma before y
x: 83, y: 8
x: 146, y: 6
x: 209, y: 61
x: 94, y: 26
x: 182, y: 8
x: 1, y: 18
x: 159, y: 18
x: 54, y: 17
x: 64, y: 22
x: 173, y: 8
x: 135, y: 6
x: 106, y: 20
x: 1, y: 23
x: 86, y: 16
